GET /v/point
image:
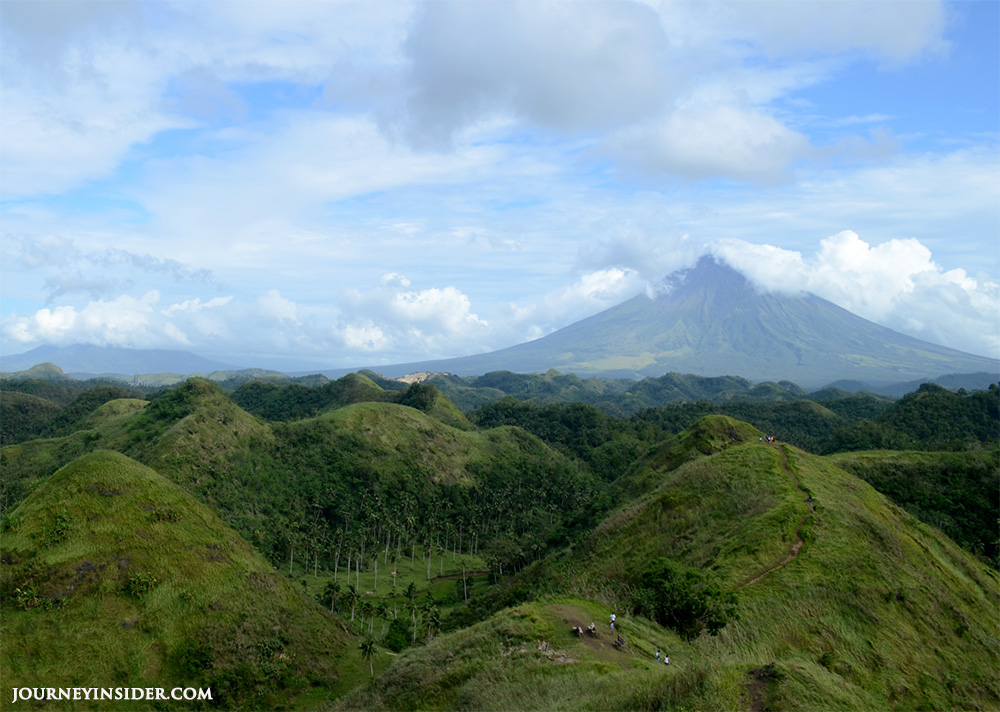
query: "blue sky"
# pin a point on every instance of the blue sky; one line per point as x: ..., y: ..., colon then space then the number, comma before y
x: 340, y: 184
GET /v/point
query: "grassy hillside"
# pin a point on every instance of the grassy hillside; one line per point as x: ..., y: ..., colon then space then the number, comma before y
x: 853, y: 605
x: 366, y: 471
x: 843, y: 602
x: 24, y: 416
x: 527, y: 658
x: 113, y: 576
x: 957, y: 492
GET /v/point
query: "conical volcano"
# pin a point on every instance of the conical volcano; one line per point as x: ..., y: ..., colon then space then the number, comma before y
x: 709, y: 320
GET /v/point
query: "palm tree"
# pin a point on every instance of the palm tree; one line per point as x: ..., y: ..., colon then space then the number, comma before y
x: 382, y: 611
x: 368, y: 651
x: 332, y: 591
x: 433, y: 622
x: 411, y: 598
x: 352, y: 597
x: 366, y: 612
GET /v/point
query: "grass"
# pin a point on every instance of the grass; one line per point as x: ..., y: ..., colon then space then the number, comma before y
x: 145, y: 576
x: 878, y: 611
x: 527, y: 658
x: 132, y: 581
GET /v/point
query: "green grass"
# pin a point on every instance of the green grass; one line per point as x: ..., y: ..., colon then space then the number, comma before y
x: 144, y: 573
x: 878, y: 611
x: 527, y: 658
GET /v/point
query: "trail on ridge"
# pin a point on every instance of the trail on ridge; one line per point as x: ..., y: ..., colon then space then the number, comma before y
x: 799, y: 541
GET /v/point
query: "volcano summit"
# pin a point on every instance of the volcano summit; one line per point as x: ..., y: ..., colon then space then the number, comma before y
x: 709, y: 320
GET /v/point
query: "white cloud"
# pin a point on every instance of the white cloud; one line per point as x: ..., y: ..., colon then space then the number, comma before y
x: 565, y: 66
x: 437, y: 321
x: 125, y: 321
x: 274, y: 305
x: 195, y: 305
x: 717, y: 140
x: 364, y: 337
x: 894, y: 32
x: 896, y: 284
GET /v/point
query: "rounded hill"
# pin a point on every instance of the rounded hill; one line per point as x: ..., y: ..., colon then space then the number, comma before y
x: 111, y: 575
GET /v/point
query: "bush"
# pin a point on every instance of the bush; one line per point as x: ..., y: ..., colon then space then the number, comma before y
x: 398, y: 637
x: 681, y: 598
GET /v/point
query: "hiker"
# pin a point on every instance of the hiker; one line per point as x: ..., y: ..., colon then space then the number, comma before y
x: 657, y: 656
x: 612, y: 621
x: 666, y: 659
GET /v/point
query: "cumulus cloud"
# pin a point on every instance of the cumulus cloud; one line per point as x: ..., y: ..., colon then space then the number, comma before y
x: 565, y: 66
x: 125, y: 321
x: 277, y: 307
x: 589, y: 293
x: 896, y: 284
x: 716, y: 140
x: 437, y: 320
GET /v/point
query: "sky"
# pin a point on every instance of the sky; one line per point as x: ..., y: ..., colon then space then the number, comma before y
x: 336, y: 184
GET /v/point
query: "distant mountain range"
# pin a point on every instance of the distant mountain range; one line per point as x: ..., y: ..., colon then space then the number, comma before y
x: 709, y: 320
x: 88, y: 360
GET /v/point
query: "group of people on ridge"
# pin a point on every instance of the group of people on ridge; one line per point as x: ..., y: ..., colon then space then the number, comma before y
x: 666, y: 658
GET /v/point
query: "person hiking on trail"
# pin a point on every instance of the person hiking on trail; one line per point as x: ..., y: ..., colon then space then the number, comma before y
x: 666, y: 659
x: 612, y: 621
x: 657, y: 656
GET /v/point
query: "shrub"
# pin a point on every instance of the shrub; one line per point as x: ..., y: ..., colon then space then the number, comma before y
x: 61, y: 527
x: 397, y: 638
x: 681, y: 598
x: 140, y: 583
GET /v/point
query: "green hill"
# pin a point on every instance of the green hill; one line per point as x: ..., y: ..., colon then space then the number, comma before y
x: 849, y: 604
x: 113, y: 576
x: 24, y: 416
x: 957, y: 492
x: 419, y: 470
x: 853, y: 605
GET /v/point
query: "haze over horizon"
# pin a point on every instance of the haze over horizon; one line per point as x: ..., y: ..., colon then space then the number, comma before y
x: 348, y: 183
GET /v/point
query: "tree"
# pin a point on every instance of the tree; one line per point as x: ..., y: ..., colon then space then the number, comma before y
x: 367, y: 614
x: 398, y: 636
x: 682, y: 599
x: 411, y: 603
x: 352, y: 598
x: 381, y: 610
x: 433, y: 621
x: 332, y: 593
x: 368, y: 651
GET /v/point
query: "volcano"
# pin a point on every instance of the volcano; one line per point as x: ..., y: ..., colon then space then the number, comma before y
x: 709, y: 320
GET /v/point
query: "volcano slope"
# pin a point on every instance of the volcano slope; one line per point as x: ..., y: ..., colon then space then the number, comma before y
x: 112, y: 576
x: 874, y: 611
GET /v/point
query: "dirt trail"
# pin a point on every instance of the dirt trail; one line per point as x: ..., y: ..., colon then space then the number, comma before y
x: 799, y: 541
